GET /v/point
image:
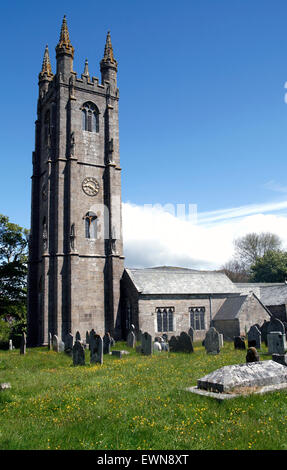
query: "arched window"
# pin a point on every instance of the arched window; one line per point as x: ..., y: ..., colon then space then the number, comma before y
x: 197, y: 318
x: 90, y: 117
x: 91, y: 225
x: 165, y: 319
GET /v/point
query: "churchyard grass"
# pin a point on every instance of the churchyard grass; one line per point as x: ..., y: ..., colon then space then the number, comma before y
x: 137, y: 402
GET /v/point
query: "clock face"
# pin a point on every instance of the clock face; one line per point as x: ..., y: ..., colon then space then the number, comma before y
x: 90, y: 186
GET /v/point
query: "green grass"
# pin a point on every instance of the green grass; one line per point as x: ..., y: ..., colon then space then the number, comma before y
x: 137, y: 402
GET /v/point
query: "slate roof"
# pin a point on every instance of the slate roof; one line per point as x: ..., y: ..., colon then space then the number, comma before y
x: 268, y: 293
x: 169, y: 280
x: 230, y: 308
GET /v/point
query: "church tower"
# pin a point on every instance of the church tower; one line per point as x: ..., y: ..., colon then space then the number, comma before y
x: 75, y: 247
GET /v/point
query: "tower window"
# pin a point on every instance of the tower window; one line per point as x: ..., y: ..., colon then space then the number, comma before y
x: 91, y: 225
x: 90, y: 117
x: 165, y: 319
x: 197, y: 318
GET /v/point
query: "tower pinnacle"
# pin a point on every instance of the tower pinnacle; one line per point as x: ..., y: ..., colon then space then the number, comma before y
x: 108, y: 58
x: 46, y: 72
x: 64, y: 45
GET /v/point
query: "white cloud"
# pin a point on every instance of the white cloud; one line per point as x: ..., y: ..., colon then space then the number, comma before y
x: 155, y: 237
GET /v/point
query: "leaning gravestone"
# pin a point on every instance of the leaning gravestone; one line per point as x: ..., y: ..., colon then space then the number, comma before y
x: 185, y: 342
x: 107, y: 341
x: 212, y: 341
x: 276, y: 343
x: 23, y: 344
x: 239, y: 342
x: 254, y: 337
x: 146, y: 344
x: 131, y: 339
x: 69, y: 340
x: 78, y: 354
x: 96, y: 348
x: 55, y: 343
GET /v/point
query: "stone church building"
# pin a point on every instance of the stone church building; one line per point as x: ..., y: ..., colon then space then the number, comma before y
x: 76, y: 278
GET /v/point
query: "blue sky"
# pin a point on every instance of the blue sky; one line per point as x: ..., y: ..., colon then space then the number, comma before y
x: 203, y: 118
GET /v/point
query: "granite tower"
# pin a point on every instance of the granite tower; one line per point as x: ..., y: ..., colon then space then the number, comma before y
x: 75, y: 247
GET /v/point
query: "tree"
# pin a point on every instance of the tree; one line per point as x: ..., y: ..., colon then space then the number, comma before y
x: 271, y: 267
x: 235, y: 271
x: 248, y: 249
x: 254, y: 245
x: 13, y: 272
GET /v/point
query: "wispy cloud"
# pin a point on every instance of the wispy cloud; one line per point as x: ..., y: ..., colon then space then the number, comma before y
x: 276, y: 187
x: 153, y: 236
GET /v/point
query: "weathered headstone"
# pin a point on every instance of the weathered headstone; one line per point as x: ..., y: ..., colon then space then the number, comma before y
x: 23, y: 344
x: 69, y: 340
x: 275, y: 325
x: 146, y: 344
x: 185, y: 342
x: 276, y: 342
x: 107, y: 343
x: 50, y: 342
x: 120, y: 353
x: 252, y: 355
x: 264, y: 331
x: 254, y: 337
x: 96, y: 348
x: 77, y: 336
x: 221, y: 341
x: 78, y: 354
x: 239, y: 342
x: 10, y: 345
x: 61, y: 346
x: 191, y: 333
x: 55, y: 343
x: 212, y: 341
x: 131, y: 339
x: 173, y: 344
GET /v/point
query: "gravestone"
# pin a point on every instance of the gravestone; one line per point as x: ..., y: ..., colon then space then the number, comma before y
x: 185, y: 343
x: 107, y: 343
x: 239, y: 342
x: 131, y: 339
x: 87, y: 339
x: 173, y: 344
x: 212, y: 341
x: 264, y: 331
x: 69, y: 340
x: 191, y: 333
x: 120, y: 353
x: 78, y: 354
x: 276, y: 342
x: 50, y: 341
x: 221, y: 342
x: 77, y: 336
x: 23, y: 344
x: 157, y: 346
x: 96, y: 348
x: 146, y: 344
x: 252, y: 355
x: 55, y: 343
x: 254, y: 337
x: 280, y: 358
x: 139, y: 336
x: 275, y: 325
x: 10, y: 345
x: 61, y: 346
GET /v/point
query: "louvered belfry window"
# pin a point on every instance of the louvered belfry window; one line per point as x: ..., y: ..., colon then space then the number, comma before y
x: 90, y: 117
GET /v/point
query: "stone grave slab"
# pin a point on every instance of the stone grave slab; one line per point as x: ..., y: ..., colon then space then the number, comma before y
x: 242, y: 379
